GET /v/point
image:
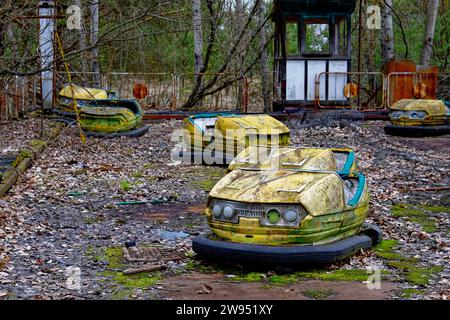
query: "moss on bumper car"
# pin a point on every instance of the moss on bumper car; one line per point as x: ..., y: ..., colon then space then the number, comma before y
x: 419, y: 118
x: 100, y: 116
x: 308, y: 207
x: 217, y: 138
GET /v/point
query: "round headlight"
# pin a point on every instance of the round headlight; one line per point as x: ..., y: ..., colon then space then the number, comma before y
x: 273, y: 216
x: 290, y: 216
x: 228, y: 212
x: 217, y: 211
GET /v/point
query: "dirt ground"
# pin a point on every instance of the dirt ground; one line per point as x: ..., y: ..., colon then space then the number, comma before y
x: 79, y: 204
x: 192, y: 287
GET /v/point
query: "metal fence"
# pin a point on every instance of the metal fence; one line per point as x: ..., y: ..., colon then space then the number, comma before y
x: 355, y: 90
x: 443, y: 86
x: 155, y: 91
x: 223, y: 94
x: 411, y: 85
x: 167, y: 92
x: 18, y: 95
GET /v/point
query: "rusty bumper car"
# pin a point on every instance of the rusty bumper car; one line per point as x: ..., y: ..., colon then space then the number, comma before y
x: 100, y: 113
x: 419, y: 118
x: 216, y: 139
x: 289, y: 206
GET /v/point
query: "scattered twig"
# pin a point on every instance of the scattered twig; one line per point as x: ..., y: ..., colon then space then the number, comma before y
x: 432, y: 189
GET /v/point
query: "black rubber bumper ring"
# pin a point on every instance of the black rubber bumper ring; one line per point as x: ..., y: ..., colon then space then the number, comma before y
x: 138, y: 132
x: 417, y: 131
x: 283, y: 255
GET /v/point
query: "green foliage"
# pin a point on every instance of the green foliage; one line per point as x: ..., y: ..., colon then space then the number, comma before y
x: 125, y: 185
x: 318, y: 294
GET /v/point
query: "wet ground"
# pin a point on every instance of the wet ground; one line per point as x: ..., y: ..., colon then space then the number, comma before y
x: 79, y: 205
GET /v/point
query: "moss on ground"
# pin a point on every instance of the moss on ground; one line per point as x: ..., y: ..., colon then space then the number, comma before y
x: 339, y: 275
x: 23, y: 154
x: 435, y: 209
x: 137, y: 174
x: 125, y: 285
x: 420, y: 214
x: 318, y: 294
x: 210, y: 268
x: 281, y: 279
x: 125, y: 185
x: 386, y: 250
x: 410, y: 293
x: 249, y: 277
x: 414, y: 273
x: 38, y: 144
x: 214, y: 175
x: 409, y: 267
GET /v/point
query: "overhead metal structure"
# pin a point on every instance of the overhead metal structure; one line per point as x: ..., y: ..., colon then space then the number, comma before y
x: 311, y: 37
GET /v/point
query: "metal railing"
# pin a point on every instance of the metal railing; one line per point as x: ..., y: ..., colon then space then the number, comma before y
x: 443, y: 86
x: 154, y: 91
x: 411, y: 85
x: 355, y: 90
x: 88, y: 79
x: 166, y: 91
x: 221, y: 95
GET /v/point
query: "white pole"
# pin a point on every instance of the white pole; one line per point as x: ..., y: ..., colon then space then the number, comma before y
x: 46, y: 37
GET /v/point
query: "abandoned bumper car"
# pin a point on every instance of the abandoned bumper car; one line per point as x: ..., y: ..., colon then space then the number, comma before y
x: 289, y: 206
x: 217, y: 138
x: 419, y: 118
x: 101, y: 113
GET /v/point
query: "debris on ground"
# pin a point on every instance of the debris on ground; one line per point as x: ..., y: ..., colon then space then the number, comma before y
x: 80, y: 203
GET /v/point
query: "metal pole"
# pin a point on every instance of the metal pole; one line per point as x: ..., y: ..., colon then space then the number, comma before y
x: 46, y: 48
x: 359, y: 49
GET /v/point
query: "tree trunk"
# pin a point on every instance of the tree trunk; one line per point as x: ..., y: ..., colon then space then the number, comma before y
x: 83, y: 65
x: 427, y: 50
x: 239, y: 14
x: 387, y: 32
x: 198, y: 36
x: 265, y: 74
x: 94, y: 40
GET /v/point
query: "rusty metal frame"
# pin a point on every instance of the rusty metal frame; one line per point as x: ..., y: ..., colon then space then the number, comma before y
x: 244, y: 99
x: 442, y: 74
x: 348, y: 74
x: 17, y: 95
x: 173, y: 95
x: 405, y: 74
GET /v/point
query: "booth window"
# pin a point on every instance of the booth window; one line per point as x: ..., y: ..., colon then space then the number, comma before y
x: 317, y: 38
x: 292, y: 38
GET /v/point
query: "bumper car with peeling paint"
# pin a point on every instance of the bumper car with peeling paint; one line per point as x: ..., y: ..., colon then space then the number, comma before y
x: 419, y: 118
x: 217, y: 138
x: 100, y: 113
x: 288, y: 206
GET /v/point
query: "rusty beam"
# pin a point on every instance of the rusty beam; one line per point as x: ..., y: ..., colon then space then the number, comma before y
x: 369, y: 115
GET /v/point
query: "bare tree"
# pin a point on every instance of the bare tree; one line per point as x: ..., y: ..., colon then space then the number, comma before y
x: 224, y: 75
x: 265, y: 75
x: 387, y: 34
x: 198, y: 36
x: 433, y: 7
x: 94, y: 40
x: 82, y: 35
